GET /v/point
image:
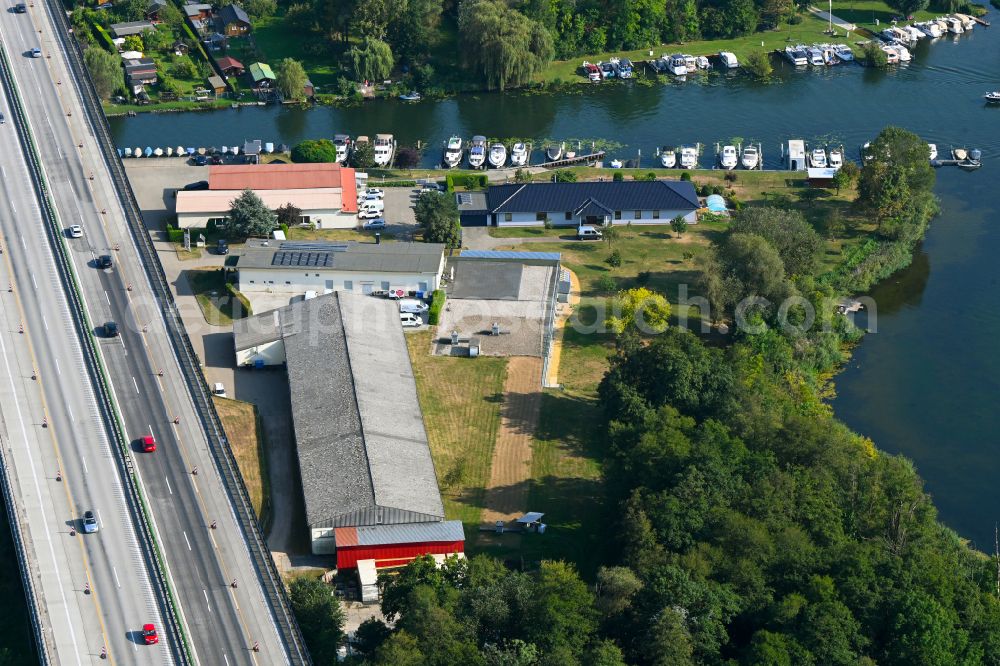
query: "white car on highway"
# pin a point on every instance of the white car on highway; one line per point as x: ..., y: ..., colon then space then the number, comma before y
x: 75, y: 231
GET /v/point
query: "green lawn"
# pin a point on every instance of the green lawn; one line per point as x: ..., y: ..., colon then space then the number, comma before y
x: 295, y: 233
x: 215, y: 301
x: 864, y: 13
x: 809, y: 30
x: 276, y: 41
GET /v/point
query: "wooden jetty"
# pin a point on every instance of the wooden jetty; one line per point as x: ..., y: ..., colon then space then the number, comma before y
x: 591, y: 158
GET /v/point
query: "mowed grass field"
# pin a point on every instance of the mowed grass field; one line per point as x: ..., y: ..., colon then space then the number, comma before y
x: 460, y: 399
x: 239, y: 419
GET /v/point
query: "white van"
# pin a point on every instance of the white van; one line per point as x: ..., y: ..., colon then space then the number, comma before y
x: 311, y: 294
x: 410, y: 320
x: 587, y: 232
x: 412, y: 305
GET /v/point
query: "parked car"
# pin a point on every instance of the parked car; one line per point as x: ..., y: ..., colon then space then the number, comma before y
x: 587, y: 232
x: 377, y: 223
x: 219, y: 389
x: 374, y: 192
x: 75, y: 231
x: 216, y: 159
x: 89, y: 523
x: 198, y: 185
x: 310, y: 294
x: 199, y: 160
x: 148, y: 443
x: 110, y: 329
x: 410, y: 320
x: 369, y: 213
x: 222, y: 246
x: 104, y: 261
x: 149, y: 634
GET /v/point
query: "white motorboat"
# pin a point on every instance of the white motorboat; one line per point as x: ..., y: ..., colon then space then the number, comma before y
x: 592, y: 71
x: 797, y: 56
x: 836, y: 158
x: 342, y: 144
x: 815, y: 57
x: 916, y: 34
x: 554, y: 152
x: 180, y: 152
x: 992, y: 97
x: 625, y: 68
x: 891, y: 55
x: 690, y: 62
x: 729, y: 60
x: 750, y: 158
x: 932, y: 151
x: 477, y: 152
x: 844, y: 53
x: 518, y: 154
x: 617, y: 164
x: 158, y: 152
x: 967, y: 21
x: 169, y: 152
x: 236, y: 150
x: 702, y: 62
x: 269, y: 147
x: 817, y: 158
x: 954, y: 25
x: 676, y: 65
x: 728, y: 157
x: 902, y: 52
x: 498, y: 155
x: 668, y: 158
x: 453, y: 152
x: 384, y: 147
x: 689, y: 157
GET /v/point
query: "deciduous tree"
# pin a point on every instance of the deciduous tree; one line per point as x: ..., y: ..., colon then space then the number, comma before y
x: 320, y: 616
x: 105, y: 71
x: 291, y: 79
x: 639, y: 309
x: 315, y: 150
x: 372, y: 61
x: 437, y: 215
x: 502, y: 44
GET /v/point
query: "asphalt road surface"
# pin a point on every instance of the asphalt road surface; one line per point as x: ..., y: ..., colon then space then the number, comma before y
x: 223, y: 621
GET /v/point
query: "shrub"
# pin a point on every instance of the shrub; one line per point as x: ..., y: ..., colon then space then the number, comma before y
x: 618, y: 177
x: 607, y: 284
x: 565, y: 176
x: 437, y: 304
x: 795, y: 19
x: 686, y: 176
x: 468, y: 181
x: 874, y: 55
x: 758, y: 65
x: 175, y: 235
x: 704, y: 190
x: 718, y: 189
x: 284, y: 229
x: 614, y: 259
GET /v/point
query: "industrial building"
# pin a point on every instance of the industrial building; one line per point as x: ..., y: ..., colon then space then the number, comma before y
x: 363, y: 454
x: 574, y: 204
x: 325, y: 193
x: 295, y: 267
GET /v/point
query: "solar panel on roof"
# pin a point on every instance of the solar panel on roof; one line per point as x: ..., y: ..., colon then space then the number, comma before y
x: 282, y: 258
x: 464, y: 198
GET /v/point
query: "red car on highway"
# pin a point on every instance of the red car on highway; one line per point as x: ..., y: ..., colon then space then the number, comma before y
x: 149, y: 634
x: 148, y: 444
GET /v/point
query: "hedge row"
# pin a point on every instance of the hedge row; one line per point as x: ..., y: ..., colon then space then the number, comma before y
x: 470, y: 181
x: 175, y: 235
x: 238, y: 295
x: 105, y: 37
x: 437, y: 305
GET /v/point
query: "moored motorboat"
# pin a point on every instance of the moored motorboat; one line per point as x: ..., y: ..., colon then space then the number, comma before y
x: 688, y: 157
x: 750, y: 158
x: 797, y: 56
x: 836, y: 158
x: 477, y: 152
x: 158, y: 152
x: 676, y: 64
x: 519, y: 154
x: 169, y: 152
x: 815, y: 56
x: 342, y: 146
x: 728, y: 158
x: 453, y: 152
x: 728, y: 59
x: 668, y: 157
x: 817, y: 158
x: 554, y: 152
x: 268, y: 147
x: 412, y: 96
x: 384, y: 147
x: 498, y: 155
x: 844, y: 53
x: 616, y: 164
x: 592, y: 72
x: 148, y: 152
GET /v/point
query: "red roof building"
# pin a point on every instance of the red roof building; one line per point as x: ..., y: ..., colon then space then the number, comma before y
x: 396, y: 545
x: 262, y: 177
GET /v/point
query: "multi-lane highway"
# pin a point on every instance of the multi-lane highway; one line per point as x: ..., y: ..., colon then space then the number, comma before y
x: 218, y: 588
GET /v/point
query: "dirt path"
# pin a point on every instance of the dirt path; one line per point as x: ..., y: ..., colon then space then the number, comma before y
x: 510, y: 471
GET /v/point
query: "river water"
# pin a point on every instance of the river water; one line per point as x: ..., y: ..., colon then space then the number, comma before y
x: 925, y: 384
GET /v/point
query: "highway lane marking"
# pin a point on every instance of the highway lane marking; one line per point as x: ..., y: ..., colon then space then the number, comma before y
x: 225, y: 658
x: 22, y: 243
x: 186, y: 539
x: 100, y: 521
x: 115, y: 572
x: 168, y: 485
x: 107, y: 297
x: 35, y: 284
x: 58, y: 371
x: 136, y: 384
x: 45, y: 323
x: 71, y: 418
x: 123, y: 347
x: 84, y: 461
x: 205, y: 592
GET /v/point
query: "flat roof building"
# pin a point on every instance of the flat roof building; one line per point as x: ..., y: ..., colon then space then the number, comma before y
x: 295, y: 267
x: 362, y: 449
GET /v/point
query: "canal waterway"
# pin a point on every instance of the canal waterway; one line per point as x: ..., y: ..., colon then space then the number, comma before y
x: 925, y: 385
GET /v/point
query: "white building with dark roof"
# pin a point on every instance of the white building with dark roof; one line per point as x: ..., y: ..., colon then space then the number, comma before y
x: 363, y: 453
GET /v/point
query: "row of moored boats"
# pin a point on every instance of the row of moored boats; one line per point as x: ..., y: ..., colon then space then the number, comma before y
x: 181, y: 151
x: 480, y: 153
x: 383, y: 148
x: 818, y: 55
x: 613, y: 68
x: 682, y: 64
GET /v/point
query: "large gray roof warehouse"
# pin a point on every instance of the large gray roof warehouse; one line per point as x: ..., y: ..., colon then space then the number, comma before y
x: 362, y: 448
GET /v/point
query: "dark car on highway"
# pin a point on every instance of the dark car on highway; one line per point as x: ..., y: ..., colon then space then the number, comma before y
x: 20, y: 8
x: 104, y: 261
x: 111, y: 330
